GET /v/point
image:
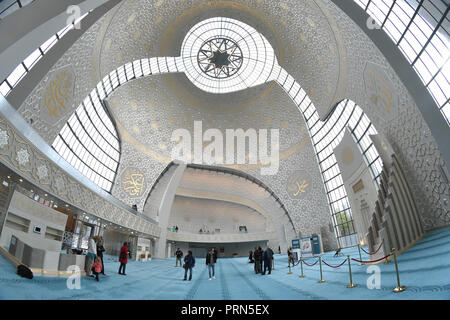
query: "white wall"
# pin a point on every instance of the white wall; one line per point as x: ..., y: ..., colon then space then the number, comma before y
x: 199, y: 249
x: 191, y: 214
x: 39, y: 215
x: 355, y: 172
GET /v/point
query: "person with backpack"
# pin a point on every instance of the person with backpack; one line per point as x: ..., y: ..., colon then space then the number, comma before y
x: 189, y: 263
x: 211, y: 259
x: 123, y: 258
x: 179, y: 255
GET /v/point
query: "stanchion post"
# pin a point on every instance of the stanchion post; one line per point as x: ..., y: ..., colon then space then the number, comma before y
x: 351, y: 285
x: 301, y: 267
x: 320, y: 264
x: 290, y: 272
x: 360, y: 258
x: 398, y: 288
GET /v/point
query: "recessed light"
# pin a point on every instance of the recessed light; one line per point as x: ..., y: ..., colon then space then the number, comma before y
x: 9, y: 177
x: 20, y: 180
x: 46, y: 195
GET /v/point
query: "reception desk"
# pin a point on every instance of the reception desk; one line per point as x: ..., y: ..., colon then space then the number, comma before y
x: 44, y: 262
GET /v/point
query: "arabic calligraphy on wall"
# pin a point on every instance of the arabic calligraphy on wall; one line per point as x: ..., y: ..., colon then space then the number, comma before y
x: 133, y: 182
x: 58, y: 97
x: 380, y: 88
x: 299, y: 184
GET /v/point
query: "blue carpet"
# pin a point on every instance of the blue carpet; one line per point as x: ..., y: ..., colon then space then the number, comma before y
x: 424, y: 269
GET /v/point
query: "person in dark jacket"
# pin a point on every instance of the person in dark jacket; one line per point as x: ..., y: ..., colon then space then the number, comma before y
x: 179, y: 255
x: 267, y: 258
x: 290, y: 257
x: 250, y: 257
x: 211, y: 259
x: 100, y: 250
x: 258, y: 255
x: 123, y: 258
x: 129, y: 249
x: 189, y: 263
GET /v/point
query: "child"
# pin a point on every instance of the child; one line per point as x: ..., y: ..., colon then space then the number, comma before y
x: 97, y: 267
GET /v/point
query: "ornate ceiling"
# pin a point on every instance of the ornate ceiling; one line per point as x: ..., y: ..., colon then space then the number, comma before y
x: 313, y: 40
x: 312, y: 54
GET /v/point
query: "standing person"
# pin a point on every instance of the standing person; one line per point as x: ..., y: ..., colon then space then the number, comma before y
x: 258, y: 255
x: 97, y: 267
x: 129, y: 249
x: 179, y: 255
x: 211, y: 259
x: 267, y: 258
x: 91, y: 253
x: 189, y: 263
x: 290, y: 257
x: 273, y: 257
x: 123, y: 258
x: 100, y: 250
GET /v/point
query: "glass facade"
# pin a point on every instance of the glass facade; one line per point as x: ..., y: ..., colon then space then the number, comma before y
x: 89, y: 142
x: 325, y: 136
x: 421, y: 30
x: 22, y: 69
x: 9, y: 6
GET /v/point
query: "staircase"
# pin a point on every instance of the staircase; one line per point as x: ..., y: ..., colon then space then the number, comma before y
x: 395, y: 222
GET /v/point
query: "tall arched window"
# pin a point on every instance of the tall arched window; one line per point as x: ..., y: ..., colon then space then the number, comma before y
x: 326, y: 135
x: 421, y: 30
x: 90, y: 143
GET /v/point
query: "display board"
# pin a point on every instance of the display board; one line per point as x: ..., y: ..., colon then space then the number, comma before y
x: 306, y: 247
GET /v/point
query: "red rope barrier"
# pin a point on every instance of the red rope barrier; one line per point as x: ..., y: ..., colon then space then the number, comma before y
x: 371, y: 254
x: 335, y: 266
x: 311, y: 265
x: 372, y: 260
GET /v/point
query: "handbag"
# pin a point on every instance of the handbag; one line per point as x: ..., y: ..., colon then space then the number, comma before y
x: 91, y: 255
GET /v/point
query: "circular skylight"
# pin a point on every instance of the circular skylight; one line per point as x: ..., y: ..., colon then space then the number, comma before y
x: 222, y: 55
x: 220, y: 58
